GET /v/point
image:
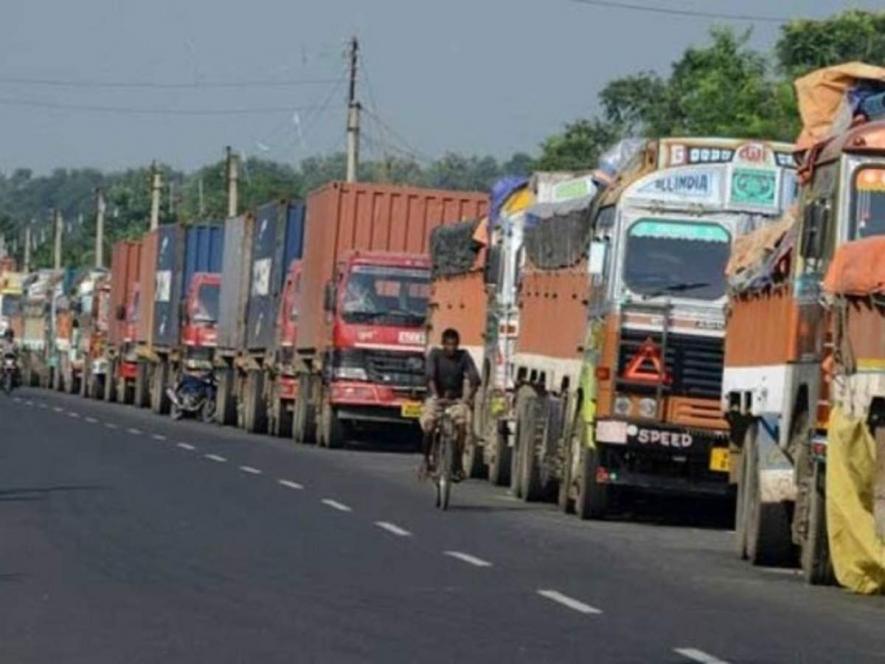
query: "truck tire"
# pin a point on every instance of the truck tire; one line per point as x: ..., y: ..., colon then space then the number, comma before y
x: 500, y: 455
x: 226, y: 407
x: 55, y: 377
x: 96, y: 386
x: 141, y: 388
x: 304, y: 420
x: 332, y: 432
x: 159, y: 381
x: 531, y: 438
x: 767, y: 525
x: 817, y: 566
x: 592, y: 499
x: 474, y: 466
x: 72, y: 386
x: 741, y: 500
x: 282, y: 419
x: 110, y: 383
x: 254, y: 413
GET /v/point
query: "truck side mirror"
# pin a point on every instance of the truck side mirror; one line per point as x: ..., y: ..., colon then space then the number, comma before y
x: 330, y: 295
x: 596, y: 258
x: 120, y: 313
x: 815, y: 227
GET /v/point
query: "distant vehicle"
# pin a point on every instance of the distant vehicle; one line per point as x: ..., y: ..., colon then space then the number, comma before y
x: 10, y: 369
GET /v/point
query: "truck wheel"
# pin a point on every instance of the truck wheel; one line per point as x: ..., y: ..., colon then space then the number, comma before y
x: 110, y: 383
x: 741, y: 501
x: 255, y: 416
x: 592, y: 497
x: 96, y: 387
x: 226, y: 408
x: 768, y: 535
x: 531, y: 435
x: 331, y: 432
x: 304, y: 420
x: 159, y: 399
x: 55, y: 377
x: 282, y: 419
x: 141, y: 389
x: 500, y: 462
x: 472, y: 460
x: 817, y: 566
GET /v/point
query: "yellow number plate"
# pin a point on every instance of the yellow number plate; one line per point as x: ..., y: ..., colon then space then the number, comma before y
x: 411, y: 410
x: 719, y: 460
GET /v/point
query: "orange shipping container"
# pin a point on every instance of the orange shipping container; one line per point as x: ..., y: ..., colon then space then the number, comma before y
x: 342, y: 217
x: 125, y: 265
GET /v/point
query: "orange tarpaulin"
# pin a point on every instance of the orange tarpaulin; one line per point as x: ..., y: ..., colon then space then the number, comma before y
x: 858, y: 268
x: 821, y: 94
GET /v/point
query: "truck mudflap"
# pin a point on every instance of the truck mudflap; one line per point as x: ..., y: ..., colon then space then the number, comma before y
x: 372, y: 402
x: 128, y: 370
x: 287, y: 388
x: 663, y: 458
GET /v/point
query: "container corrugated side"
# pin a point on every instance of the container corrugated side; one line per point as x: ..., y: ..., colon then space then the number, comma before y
x: 125, y: 266
x: 235, y: 279
x: 204, y: 251
x: 342, y: 217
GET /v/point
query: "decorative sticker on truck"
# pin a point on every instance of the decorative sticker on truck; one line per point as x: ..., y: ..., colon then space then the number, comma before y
x: 163, y: 286
x: 261, y: 277
x: 753, y: 187
x: 412, y: 338
x: 697, y: 185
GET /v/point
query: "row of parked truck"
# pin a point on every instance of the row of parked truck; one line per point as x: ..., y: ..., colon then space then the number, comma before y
x: 701, y: 316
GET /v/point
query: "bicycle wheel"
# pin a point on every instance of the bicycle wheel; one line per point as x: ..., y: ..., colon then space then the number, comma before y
x: 446, y: 459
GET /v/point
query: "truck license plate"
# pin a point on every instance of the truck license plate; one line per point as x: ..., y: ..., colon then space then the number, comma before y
x: 719, y: 460
x: 411, y: 410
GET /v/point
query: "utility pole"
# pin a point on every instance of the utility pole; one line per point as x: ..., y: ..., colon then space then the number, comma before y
x: 56, y: 252
x: 99, y: 228
x: 201, y: 209
x: 233, y: 177
x: 172, y: 198
x: 156, y: 189
x: 26, y: 266
x: 353, y: 116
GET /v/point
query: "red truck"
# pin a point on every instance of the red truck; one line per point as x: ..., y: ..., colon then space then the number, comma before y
x: 362, y: 305
x: 122, y: 362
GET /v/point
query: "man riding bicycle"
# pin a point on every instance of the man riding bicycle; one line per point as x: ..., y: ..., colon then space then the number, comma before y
x: 448, y: 369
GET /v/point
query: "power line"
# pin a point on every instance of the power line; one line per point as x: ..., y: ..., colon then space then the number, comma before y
x: 182, y: 85
x: 612, y: 4
x: 133, y: 110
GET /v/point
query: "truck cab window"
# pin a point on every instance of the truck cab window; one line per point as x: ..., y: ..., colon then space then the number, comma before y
x: 868, y: 202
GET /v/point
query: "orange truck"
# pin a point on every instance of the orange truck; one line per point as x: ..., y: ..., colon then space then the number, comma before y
x: 804, y: 380
x: 618, y: 361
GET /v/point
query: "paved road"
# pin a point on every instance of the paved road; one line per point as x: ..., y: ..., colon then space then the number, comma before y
x: 125, y: 537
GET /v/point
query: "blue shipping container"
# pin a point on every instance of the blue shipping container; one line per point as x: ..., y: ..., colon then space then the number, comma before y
x: 204, y: 249
x: 278, y: 240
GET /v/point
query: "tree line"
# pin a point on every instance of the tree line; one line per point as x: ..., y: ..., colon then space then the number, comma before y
x: 721, y: 88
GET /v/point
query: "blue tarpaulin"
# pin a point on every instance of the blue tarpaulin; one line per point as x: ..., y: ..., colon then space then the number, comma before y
x: 501, y: 191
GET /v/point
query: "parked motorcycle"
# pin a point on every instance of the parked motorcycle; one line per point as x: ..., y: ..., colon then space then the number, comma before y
x: 10, y: 367
x: 194, y: 396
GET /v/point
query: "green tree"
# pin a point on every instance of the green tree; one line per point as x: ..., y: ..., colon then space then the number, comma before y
x: 578, y: 147
x: 805, y: 45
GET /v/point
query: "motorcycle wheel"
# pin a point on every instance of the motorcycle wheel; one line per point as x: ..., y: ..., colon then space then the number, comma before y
x: 207, y: 411
x: 175, y: 412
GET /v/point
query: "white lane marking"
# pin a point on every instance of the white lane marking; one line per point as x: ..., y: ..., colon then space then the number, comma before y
x: 57, y: 409
x: 158, y: 436
x: 290, y: 484
x: 393, y: 528
x: 215, y: 457
x: 186, y: 446
x: 17, y: 399
x: 91, y: 420
x: 133, y: 431
x: 250, y: 470
x: 111, y: 425
x: 698, y: 656
x: 42, y: 405
x: 335, y: 505
x: 29, y: 403
x: 570, y: 602
x: 467, y: 558
x: 73, y: 414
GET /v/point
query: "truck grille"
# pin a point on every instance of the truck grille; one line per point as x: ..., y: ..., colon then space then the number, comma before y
x: 395, y: 369
x: 694, y: 362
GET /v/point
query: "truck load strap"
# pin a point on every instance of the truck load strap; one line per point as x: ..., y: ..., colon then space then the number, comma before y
x: 454, y: 248
x: 857, y: 552
x: 858, y: 268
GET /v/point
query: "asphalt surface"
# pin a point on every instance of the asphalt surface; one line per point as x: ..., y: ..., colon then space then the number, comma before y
x: 126, y: 537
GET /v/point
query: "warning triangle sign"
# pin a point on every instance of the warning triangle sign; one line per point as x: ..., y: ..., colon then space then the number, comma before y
x: 647, y: 366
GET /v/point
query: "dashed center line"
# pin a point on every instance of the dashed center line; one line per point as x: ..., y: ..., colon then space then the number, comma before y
x: 393, y: 528
x: 57, y: 409
x: 698, y: 656
x: 73, y: 414
x: 250, y: 470
x: 133, y: 431
x: 158, y: 436
x: 569, y: 602
x: 17, y: 399
x: 186, y: 446
x: 290, y: 484
x: 215, y: 457
x: 467, y: 558
x: 29, y: 403
x: 111, y: 425
x: 42, y: 405
x: 335, y: 505
x: 91, y: 420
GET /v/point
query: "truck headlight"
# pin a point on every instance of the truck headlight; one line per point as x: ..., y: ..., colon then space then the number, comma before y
x: 648, y: 407
x: 622, y: 405
x: 350, y: 373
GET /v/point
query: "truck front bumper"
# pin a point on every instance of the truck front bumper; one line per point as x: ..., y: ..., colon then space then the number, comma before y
x: 370, y: 402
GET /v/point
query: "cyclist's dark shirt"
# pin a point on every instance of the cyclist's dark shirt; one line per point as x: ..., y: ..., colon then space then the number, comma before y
x: 448, y: 373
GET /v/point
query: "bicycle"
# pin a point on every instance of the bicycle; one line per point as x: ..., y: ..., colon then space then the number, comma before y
x: 442, y: 455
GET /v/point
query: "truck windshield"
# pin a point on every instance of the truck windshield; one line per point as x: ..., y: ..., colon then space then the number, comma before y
x: 208, y: 303
x: 868, y: 202
x: 667, y: 257
x: 11, y: 304
x: 386, y: 296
